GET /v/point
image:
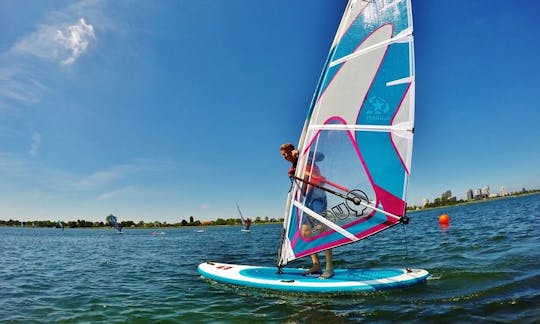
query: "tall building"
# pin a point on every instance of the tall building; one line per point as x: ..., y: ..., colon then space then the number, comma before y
x: 478, y: 194
x: 447, y: 194
x: 502, y: 192
x: 470, y: 195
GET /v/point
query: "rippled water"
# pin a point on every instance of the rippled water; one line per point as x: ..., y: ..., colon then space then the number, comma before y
x: 485, y: 268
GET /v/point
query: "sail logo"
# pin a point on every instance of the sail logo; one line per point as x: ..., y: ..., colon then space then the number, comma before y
x: 377, y: 109
x: 346, y: 208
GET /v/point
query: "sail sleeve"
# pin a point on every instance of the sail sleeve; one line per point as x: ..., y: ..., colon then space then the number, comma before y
x: 358, y: 134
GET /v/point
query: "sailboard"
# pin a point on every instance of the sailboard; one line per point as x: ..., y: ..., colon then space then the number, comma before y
x: 293, y: 280
x: 358, y: 136
x: 111, y: 220
x: 201, y: 229
x: 246, y: 222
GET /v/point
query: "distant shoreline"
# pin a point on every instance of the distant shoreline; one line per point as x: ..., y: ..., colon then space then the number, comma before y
x: 29, y: 224
x: 198, y: 224
x: 480, y: 201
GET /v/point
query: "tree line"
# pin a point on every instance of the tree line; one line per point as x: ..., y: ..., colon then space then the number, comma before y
x: 81, y: 223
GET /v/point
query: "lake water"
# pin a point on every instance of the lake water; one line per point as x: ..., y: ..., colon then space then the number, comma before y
x: 485, y: 268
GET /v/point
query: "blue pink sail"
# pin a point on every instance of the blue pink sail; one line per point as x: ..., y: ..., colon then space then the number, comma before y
x: 358, y: 134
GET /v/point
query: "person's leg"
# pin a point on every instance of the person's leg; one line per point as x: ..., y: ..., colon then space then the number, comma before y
x: 329, y: 266
x: 316, y: 268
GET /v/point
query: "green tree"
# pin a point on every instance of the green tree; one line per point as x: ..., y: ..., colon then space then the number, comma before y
x: 221, y: 221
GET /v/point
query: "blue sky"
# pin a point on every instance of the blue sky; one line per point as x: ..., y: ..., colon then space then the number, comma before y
x: 162, y: 110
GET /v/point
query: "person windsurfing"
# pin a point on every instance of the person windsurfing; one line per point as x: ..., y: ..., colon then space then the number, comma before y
x: 315, y: 200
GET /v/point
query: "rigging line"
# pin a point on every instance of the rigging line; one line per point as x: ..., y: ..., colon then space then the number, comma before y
x: 240, y: 212
x: 405, y: 239
x: 355, y: 200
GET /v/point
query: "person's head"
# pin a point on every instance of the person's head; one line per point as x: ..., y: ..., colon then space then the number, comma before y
x: 287, y: 151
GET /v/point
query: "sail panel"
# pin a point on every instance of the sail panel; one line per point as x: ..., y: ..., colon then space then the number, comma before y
x: 356, y: 145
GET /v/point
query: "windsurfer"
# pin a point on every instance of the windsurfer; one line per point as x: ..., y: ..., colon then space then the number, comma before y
x: 315, y: 200
x: 290, y: 154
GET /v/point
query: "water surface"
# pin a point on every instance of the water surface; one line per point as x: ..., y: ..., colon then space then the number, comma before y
x: 485, y: 268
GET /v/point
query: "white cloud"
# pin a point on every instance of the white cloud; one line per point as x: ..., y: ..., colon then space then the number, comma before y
x: 29, y: 171
x: 113, y: 174
x: 34, y: 146
x: 60, y: 42
x: 18, y: 84
x: 116, y: 193
x: 76, y: 39
x: 60, y: 38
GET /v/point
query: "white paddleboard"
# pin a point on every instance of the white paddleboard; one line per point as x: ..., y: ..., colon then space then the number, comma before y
x: 293, y: 280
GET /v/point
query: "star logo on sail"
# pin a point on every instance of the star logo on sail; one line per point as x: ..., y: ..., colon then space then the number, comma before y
x: 377, y: 109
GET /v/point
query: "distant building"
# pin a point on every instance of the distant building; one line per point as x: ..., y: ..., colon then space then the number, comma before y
x: 478, y: 194
x: 502, y: 192
x: 425, y: 202
x: 485, y: 192
x: 447, y: 194
x: 470, y: 195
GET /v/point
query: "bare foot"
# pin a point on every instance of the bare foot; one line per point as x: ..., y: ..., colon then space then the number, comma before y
x: 312, y: 271
x: 327, y: 274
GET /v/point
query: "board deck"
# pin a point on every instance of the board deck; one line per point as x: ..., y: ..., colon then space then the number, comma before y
x: 293, y: 280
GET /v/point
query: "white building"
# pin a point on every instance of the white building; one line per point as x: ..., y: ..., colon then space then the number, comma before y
x: 425, y: 202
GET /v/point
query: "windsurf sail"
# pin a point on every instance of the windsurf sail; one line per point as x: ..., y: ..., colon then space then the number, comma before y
x: 111, y: 219
x: 246, y: 222
x: 356, y: 145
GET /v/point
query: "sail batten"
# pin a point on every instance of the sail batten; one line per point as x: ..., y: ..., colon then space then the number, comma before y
x: 406, y: 127
x: 404, y: 37
x: 358, y: 134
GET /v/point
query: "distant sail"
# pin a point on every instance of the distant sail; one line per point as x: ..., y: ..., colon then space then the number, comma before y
x: 357, y: 138
x: 111, y: 219
x: 246, y: 222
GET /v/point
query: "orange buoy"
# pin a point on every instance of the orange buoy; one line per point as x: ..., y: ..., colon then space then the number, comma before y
x: 444, y: 219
